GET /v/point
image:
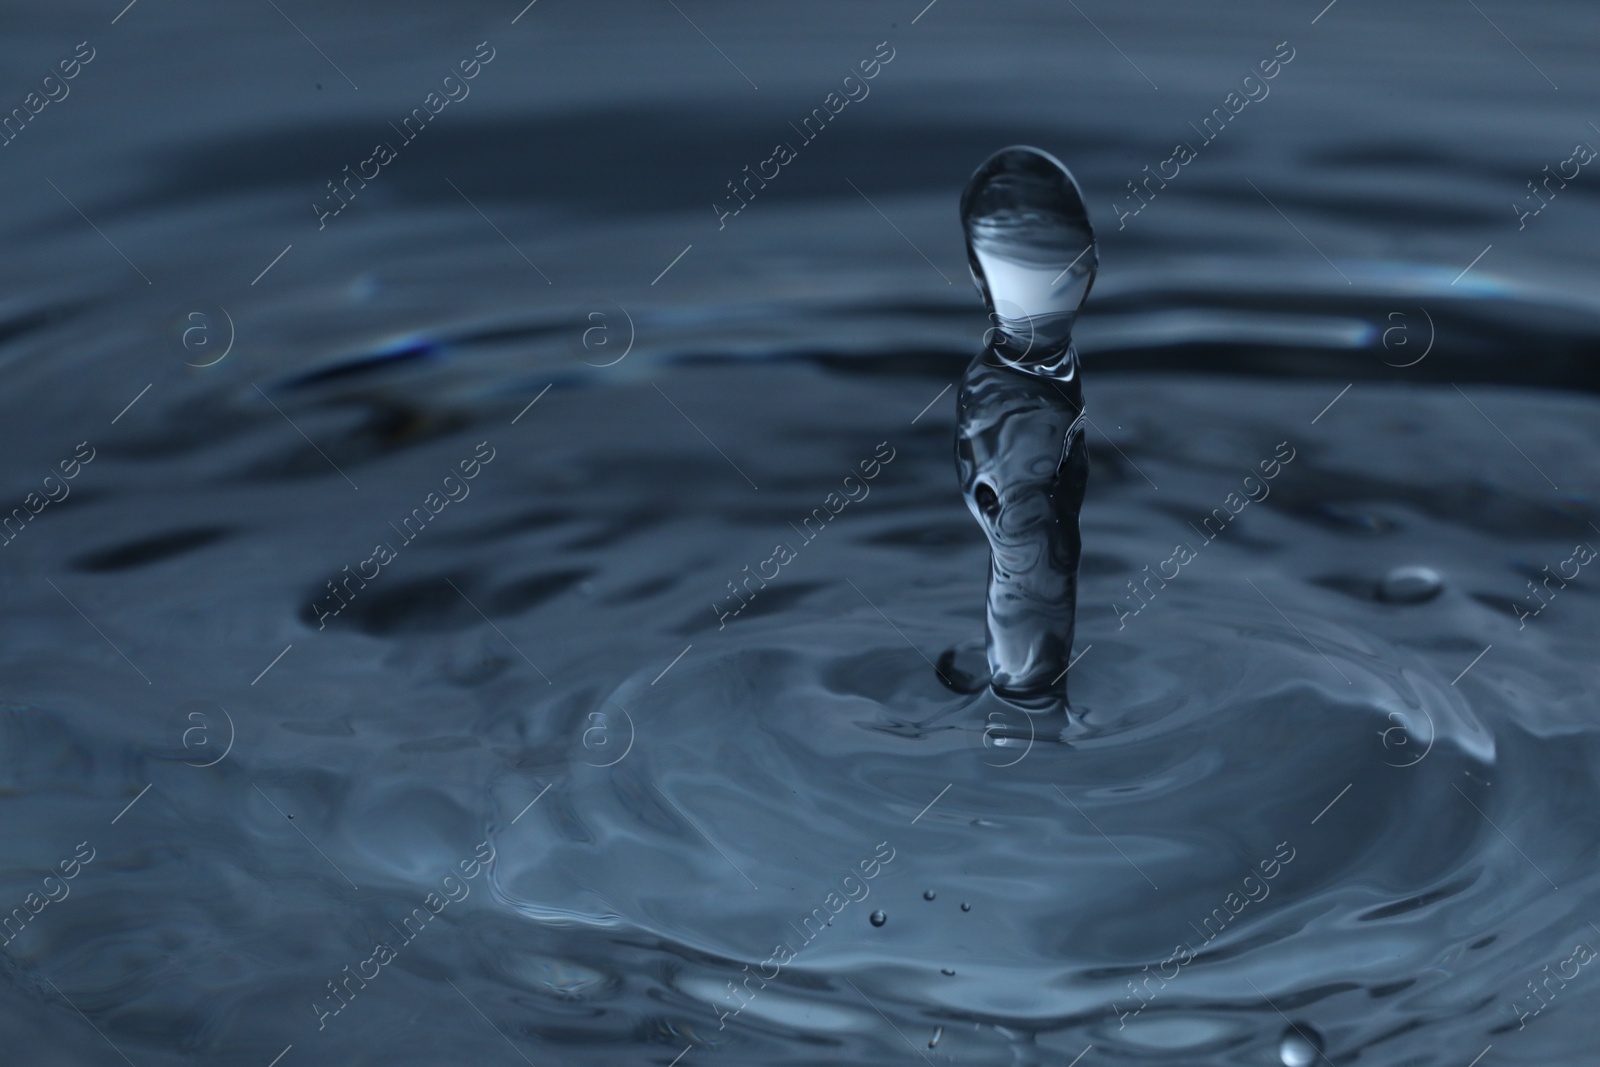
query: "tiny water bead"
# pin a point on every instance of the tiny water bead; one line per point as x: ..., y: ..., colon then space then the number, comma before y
x: 878, y: 918
x: 1410, y: 585
x: 1300, y: 1046
x: 938, y: 1032
x: 948, y: 972
x: 928, y: 894
x: 965, y: 906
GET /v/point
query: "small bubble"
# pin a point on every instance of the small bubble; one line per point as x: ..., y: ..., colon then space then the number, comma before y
x: 1410, y: 585
x: 878, y: 918
x: 947, y: 971
x: 965, y: 906
x: 1300, y: 1046
x: 928, y: 894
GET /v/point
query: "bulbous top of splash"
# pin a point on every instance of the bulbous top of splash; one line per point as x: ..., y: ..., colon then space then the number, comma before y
x: 1032, y: 253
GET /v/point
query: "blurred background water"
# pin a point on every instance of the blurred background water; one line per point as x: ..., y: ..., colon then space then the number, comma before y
x: 251, y: 815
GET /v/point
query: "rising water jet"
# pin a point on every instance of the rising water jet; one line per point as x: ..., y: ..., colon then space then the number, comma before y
x: 1020, y: 449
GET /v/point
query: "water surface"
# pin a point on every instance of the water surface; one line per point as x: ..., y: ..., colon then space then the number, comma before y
x: 717, y: 765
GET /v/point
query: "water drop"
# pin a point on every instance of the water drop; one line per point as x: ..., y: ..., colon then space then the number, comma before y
x: 964, y: 669
x: 933, y: 1041
x: 1410, y: 585
x: 965, y: 906
x: 1300, y: 1046
x: 928, y: 894
x: 878, y: 918
x: 948, y: 972
x: 1031, y: 250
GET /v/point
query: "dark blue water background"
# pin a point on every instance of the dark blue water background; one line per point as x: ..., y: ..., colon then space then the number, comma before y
x: 1371, y: 818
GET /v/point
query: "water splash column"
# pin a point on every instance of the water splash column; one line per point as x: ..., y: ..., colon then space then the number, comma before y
x: 1020, y: 449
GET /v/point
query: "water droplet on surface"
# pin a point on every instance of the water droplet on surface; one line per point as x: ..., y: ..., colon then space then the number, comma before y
x: 965, y: 906
x: 933, y: 1041
x: 964, y: 669
x: 1031, y: 249
x: 948, y: 972
x: 1410, y: 585
x: 928, y: 894
x: 1300, y: 1046
x: 878, y: 918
